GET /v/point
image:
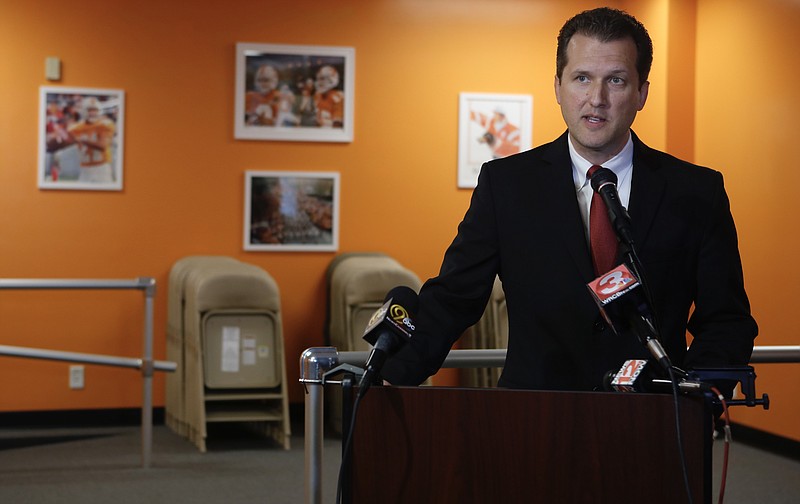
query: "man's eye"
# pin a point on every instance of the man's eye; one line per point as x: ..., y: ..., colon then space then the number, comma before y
x: 582, y: 78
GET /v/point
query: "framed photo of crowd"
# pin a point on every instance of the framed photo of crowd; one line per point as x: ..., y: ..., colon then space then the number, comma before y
x: 291, y: 211
x: 81, y: 138
x: 294, y: 93
x: 491, y: 126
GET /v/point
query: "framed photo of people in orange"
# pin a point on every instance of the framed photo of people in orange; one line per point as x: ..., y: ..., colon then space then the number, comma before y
x: 294, y: 93
x: 291, y: 211
x: 491, y: 126
x: 81, y: 138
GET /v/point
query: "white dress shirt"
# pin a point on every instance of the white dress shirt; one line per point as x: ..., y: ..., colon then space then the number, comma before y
x: 621, y: 165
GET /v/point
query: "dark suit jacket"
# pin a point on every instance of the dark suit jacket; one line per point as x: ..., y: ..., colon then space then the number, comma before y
x: 524, y: 225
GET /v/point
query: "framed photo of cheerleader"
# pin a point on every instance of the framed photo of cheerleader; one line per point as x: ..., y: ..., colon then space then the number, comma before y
x: 294, y: 93
x: 491, y: 126
x: 81, y: 138
x: 291, y: 211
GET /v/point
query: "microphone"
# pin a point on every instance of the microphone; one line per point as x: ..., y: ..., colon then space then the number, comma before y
x: 631, y: 377
x: 636, y: 375
x: 390, y: 328
x: 604, y: 182
x: 623, y: 305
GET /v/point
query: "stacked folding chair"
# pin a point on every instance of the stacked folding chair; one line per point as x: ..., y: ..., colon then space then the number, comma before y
x: 490, y: 332
x: 357, y: 285
x: 224, y: 326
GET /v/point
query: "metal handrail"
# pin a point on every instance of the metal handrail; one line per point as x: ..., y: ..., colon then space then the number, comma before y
x: 146, y: 364
x: 84, y: 358
x: 316, y: 361
x: 775, y: 354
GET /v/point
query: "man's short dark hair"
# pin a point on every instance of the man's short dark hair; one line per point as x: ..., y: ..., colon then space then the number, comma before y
x: 607, y: 24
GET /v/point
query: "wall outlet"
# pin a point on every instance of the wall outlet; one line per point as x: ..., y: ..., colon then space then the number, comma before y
x: 76, y: 377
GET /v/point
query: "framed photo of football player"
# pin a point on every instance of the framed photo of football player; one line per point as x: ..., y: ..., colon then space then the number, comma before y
x: 81, y: 138
x: 491, y: 126
x: 294, y: 93
x: 291, y: 211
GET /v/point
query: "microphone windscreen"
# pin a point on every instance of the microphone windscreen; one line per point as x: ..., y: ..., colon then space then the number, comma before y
x: 603, y: 176
x: 405, y: 297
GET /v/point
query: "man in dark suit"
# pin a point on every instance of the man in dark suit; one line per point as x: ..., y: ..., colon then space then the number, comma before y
x: 528, y: 223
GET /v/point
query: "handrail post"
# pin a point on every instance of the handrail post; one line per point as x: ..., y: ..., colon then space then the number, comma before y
x: 146, y: 364
x: 314, y: 363
x: 149, y: 285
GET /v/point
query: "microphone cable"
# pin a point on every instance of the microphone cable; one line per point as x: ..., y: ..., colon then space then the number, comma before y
x: 727, y: 446
x: 681, y: 453
x: 348, y: 440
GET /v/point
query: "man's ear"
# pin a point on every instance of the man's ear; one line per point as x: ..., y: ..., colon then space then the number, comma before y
x: 643, y: 94
x: 557, y: 88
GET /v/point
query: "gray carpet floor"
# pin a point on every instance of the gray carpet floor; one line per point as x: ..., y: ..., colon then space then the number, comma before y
x: 103, y: 465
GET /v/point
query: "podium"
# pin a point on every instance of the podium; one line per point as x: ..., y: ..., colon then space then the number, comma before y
x: 442, y: 445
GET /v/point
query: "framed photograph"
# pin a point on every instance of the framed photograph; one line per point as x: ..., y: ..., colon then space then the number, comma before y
x: 491, y: 126
x: 291, y: 211
x: 296, y: 93
x: 81, y: 138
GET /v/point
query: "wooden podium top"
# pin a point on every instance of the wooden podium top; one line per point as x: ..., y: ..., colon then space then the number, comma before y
x: 442, y: 445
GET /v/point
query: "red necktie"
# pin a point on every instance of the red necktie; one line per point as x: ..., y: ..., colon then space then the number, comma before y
x: 602, y: 236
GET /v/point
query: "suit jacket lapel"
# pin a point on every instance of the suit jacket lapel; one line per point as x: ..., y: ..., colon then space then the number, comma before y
x: 563, y: 201
x: 647, y: 191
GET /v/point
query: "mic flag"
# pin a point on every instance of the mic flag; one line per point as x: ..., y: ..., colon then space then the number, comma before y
x: 395, y: 315
x: 627, y: 379
x: 389, y: 328
x: 607, y: 289
x: 622, y: 303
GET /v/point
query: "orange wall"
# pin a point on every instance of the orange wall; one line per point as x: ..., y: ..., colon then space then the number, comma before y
x: 746, y: 108
x: 184, y: 182
x: 681, y: 77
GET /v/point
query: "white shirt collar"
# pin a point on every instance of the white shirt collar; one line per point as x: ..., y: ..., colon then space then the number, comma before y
x: 621, y: 164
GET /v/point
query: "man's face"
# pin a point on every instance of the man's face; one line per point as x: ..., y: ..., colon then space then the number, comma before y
x: 266, y: 79
x: 91, y: 109
x: 92, y: 114
x: 599, y: 94
x: 327, y: 79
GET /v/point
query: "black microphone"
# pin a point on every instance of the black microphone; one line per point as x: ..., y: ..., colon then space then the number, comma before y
x: 622, y: 302
x: 390, y: 328
x: 637, y: 375
x: 604, y: 182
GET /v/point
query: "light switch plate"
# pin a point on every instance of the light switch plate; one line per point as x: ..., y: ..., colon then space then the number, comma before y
x: 52, y: 68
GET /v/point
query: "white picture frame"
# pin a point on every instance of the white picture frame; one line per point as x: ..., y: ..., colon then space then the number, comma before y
x: 81, y: 138
x: 291, y: 211
x: 290, y: 104
x: 491, y: 126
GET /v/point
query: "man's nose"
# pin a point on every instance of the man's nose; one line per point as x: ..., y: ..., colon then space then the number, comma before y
x: 598, y: 94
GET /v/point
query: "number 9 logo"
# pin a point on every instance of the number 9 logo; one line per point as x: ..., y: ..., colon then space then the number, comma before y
x: 398, y: 313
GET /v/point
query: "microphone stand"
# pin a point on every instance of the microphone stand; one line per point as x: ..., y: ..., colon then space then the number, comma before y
x: 650, y: 336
